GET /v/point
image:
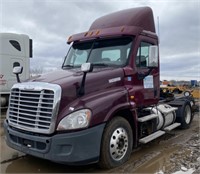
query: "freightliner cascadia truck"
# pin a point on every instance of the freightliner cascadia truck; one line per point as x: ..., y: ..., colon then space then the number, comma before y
x: 15, y: 50
x: 103, y: 103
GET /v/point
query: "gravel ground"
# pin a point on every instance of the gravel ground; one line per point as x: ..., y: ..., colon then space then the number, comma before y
x: 187, y: 158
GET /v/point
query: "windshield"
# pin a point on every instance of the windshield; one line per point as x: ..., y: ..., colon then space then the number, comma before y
x: 107, y: 52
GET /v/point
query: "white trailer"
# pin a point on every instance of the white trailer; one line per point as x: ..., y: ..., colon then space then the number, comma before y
x: 15, y: 50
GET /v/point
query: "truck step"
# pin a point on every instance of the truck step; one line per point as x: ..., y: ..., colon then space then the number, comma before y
x: 151, y: 137
x: 173, y: 126
x: 148, y: 117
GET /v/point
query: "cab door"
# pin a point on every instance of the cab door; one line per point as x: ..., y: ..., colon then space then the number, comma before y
x: 146, y: 79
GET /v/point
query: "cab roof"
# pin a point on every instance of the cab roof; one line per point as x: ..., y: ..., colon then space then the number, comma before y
x: 125, y: 22
x: 140, y: 17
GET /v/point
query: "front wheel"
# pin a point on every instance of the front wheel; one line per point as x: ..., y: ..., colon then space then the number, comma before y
x: 117, y: 142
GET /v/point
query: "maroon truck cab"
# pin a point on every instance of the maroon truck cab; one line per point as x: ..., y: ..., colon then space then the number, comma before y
x: 102, y: 103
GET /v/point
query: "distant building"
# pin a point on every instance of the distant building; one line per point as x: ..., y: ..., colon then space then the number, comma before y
x: 194, y: 83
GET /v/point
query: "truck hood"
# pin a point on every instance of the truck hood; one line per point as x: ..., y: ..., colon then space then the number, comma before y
x: 66, y: 77
x: 56, y: 77
x: 101, y: 79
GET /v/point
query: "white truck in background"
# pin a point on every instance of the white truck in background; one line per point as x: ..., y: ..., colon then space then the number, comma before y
x: 15, y: 50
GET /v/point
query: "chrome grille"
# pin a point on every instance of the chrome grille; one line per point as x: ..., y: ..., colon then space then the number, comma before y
x: 33, y: 106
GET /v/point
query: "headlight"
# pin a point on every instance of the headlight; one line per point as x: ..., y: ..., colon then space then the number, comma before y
x: 75, y: 120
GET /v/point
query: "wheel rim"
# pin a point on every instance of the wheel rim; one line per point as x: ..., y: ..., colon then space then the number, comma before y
x: 118, y: 144
x: 188, y: 114
x: 191, y: 103
x: 186, y: 93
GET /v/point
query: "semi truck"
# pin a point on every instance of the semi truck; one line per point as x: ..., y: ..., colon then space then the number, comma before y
x: 103, y: 103
x: 15, y: 50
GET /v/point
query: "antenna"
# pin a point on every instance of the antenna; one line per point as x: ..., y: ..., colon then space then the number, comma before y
x: 158, y: 29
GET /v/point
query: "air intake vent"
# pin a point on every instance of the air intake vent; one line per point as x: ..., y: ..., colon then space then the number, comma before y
x: 33, y: 106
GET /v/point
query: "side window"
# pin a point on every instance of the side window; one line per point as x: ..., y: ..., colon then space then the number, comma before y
x: 143, y: 54
x: 110, y: 55
x: 15, y: 44
x: 127, y: 52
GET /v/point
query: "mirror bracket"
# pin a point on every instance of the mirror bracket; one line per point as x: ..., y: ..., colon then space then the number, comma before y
x: 85, y: 68
x: 141, y: 76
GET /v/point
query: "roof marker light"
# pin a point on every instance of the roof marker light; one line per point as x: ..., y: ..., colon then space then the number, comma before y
x: 91, y: 33
x: 86, y: 34
x: 69, y: 39
x: 97, y: 32
x: 122, y: 29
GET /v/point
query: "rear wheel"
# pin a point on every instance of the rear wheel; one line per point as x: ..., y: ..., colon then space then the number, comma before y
x: 188, y: 114
x: 184, y: 115
x: 116, y: 143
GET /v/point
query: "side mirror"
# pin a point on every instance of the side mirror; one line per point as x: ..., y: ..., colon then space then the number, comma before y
x: 86, y: 67
x: 153, y: 56
x: 17, y: 70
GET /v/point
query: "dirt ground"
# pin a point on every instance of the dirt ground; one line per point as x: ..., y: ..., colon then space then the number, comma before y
x: 174, y: 153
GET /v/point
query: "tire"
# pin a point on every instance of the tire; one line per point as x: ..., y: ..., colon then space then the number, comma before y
x: 117, y: 143
x: 187, y: 93
x: 184, y: 115
x: 176, y: 91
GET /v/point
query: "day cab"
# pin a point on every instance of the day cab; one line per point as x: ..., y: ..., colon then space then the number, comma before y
x: 104, y: 102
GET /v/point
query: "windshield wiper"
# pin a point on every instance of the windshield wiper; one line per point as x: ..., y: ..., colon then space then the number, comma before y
x: 105, y: 64
x: 99, y: 64
x: 67, y: 66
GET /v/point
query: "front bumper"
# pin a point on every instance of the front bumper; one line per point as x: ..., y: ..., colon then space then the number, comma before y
x: 77, y: 148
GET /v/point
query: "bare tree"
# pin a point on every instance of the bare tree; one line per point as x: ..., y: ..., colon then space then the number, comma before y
x: 36, y: 71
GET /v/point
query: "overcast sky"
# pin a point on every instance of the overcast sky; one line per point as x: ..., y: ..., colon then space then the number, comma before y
x: 50, y: 22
